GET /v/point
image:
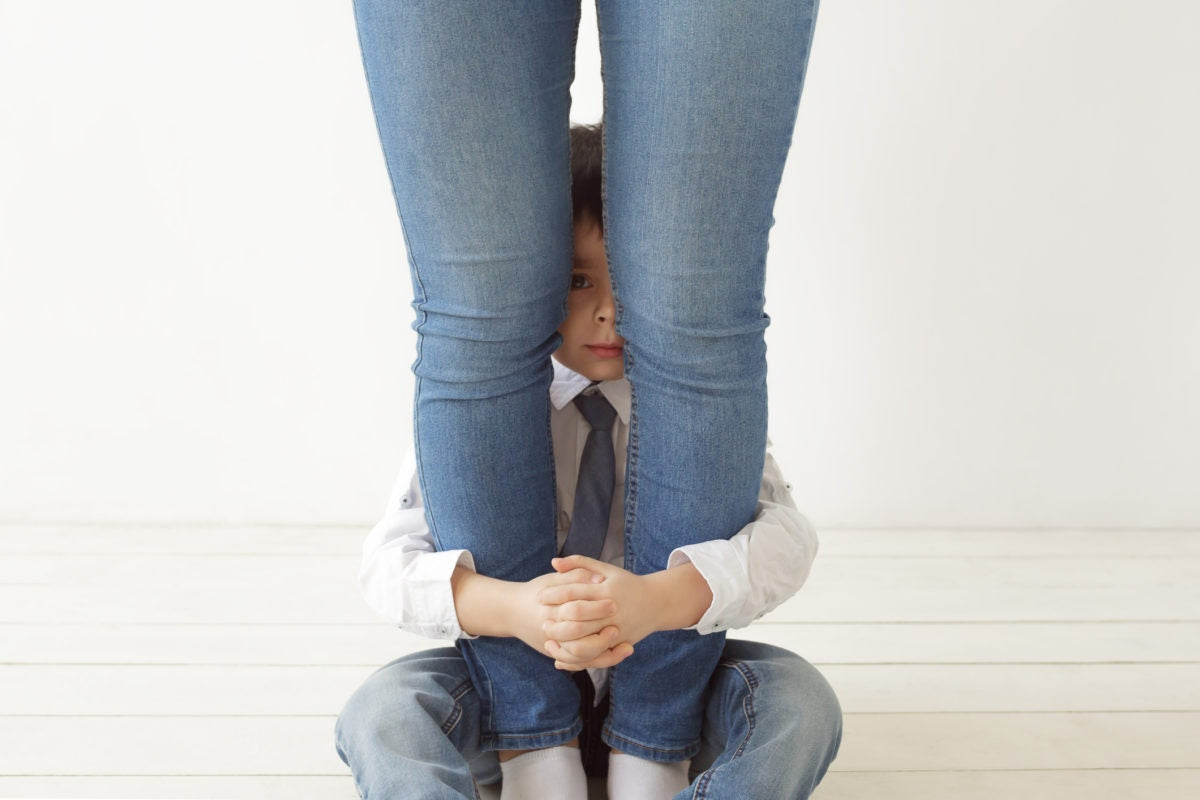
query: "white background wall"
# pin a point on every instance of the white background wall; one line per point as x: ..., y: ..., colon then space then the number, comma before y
x: 983, y: 275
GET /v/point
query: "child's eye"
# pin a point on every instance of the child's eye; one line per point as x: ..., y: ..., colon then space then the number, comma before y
x: 580, y: 281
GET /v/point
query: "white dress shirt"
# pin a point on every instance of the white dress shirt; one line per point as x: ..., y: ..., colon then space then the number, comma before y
x: 405, y: 579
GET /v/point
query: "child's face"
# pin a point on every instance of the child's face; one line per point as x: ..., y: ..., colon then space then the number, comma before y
x: 590, y: 344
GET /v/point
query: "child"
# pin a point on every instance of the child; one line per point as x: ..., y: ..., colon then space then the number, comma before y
x: 771, y: 723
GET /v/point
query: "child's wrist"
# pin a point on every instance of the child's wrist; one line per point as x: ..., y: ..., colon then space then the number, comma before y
x: 681, y: 595
x: 484, y: 605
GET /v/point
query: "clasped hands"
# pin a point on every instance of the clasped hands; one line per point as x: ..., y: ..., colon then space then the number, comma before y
x: 586, y: 613
x: 591, y: 613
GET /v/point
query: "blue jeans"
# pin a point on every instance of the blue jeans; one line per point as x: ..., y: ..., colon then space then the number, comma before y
x: 772, y: 726
x: 472, y: 101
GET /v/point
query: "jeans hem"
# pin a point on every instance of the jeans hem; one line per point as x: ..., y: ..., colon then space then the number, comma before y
x: 531, y: 741
x: 649, y: 752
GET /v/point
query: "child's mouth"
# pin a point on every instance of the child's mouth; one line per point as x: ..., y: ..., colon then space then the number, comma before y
x: 606, y: 350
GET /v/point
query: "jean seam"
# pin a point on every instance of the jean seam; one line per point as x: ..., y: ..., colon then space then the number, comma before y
x: 553, y: 526
x: 752, y: 683
x: 487, y: 698
x: 456, y: 694
x: 687, y: 752
x: 513, y: 741
x: 452, y: 721
x: 630, y: 504
x: 418, y: 326
x: 631, y: 478
x: 570, y: 223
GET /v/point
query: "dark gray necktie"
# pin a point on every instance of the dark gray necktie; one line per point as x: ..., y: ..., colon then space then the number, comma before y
x: 594, y: 490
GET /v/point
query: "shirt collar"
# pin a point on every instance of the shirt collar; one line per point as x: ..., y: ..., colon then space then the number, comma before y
x: 568, y: 383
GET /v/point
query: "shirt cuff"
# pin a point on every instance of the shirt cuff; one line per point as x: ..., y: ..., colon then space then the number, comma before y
x: 709, y: 567
x: 435, y: 593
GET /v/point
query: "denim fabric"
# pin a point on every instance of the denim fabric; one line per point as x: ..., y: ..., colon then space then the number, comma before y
x: 412, y: 730
x: 772, y: 726
x: 471, y: 101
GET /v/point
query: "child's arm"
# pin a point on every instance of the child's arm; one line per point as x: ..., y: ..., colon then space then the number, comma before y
x: 761, y: 566
x: 402, y: 575
x: 709, y: 586
x: 438, y: 594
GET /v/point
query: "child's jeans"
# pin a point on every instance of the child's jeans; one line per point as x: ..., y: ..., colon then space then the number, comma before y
x: 472, y: 101
x: 772, y: 726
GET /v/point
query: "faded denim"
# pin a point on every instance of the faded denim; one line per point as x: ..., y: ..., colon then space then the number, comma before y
x: 772, y: 726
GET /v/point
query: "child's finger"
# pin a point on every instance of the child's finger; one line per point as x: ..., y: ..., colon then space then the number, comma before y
x: 562, y: 661
x: 562, y: 656
x: 557, y: 595
x: 567, y: 563
x: 569, y: 630
x: 585, y: 649
x: 612, y: 657
x: 585, y: 610
x: 576, y: 576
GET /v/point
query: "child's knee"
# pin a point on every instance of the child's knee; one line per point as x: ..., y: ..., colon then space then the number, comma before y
x: 428, y: 684
x: 811, y: 701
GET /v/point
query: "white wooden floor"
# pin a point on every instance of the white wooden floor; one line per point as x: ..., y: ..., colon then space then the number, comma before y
x: 211, y: 662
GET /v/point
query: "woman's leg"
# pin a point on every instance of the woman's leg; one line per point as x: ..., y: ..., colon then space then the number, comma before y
x: 700, y: 100
x: 471, y: 101
x: 772, y: 726
x: 412, y: 730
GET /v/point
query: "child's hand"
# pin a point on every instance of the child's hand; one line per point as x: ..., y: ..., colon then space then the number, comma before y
x: 579, y: 632
x: 643, y: 604
x: 490, y: 607
x: 627, y: 596
x: 591, y: 621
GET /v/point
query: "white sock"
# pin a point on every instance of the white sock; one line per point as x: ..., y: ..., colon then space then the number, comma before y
x: 633, y: 778
x: 553, y: 772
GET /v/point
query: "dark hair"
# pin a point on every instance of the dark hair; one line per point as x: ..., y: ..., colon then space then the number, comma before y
x: 587, y: 158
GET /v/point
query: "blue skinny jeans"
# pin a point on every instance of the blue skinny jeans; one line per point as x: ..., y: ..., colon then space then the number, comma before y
x: 472, y: 102
x: 771, y: 727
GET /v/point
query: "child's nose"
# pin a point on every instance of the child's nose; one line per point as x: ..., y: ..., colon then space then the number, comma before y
x: 606, y: 310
